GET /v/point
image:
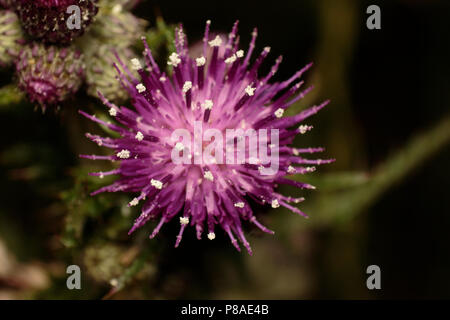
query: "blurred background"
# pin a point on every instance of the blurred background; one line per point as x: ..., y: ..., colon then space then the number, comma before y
x: 383, y: 202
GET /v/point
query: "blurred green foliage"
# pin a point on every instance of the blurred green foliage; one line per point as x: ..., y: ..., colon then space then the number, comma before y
x: 48, y: 214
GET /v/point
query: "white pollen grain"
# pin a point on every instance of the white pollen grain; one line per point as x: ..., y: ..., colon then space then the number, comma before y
x: 136, y: 64
x: 208, y: 176
x: 275, y: 203
x: 240, y: 53
x: 279, y: 113
x: 124, y: 154
x: 184, y: 220
x: 239, y: 204
x: 112, y: 112
x: 139, y: 136
x: 134, y: 202
x: 208, y: 104
x: 200, y: 61
x: 156, y: 183
x: 174, y: 59
x: 140, y: 88
x: 250, y: 91
x: 231, y: 59
x: 187, y: 86
x: 211, y: 236
x: 216, y: 42
x: 303, y: 129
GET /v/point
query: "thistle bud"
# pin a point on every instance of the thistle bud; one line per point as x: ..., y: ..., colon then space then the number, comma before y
x: 56, y: 21
x: 49, y: 74
x: 101, y: 75
x: 11, y: 37
x: 116, y: 26
x: 125, y: 4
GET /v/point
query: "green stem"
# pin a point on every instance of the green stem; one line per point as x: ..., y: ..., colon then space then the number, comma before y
x: 346, y: 205
x: 329, y: 208
x: 129, y: 274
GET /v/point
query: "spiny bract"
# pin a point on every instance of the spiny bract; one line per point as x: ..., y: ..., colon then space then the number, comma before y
x: 11, y: 37
x: 101, y: 75
x: 49, y: 74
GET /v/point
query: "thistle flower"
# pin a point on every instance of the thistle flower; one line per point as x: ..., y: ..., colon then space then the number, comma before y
x: 101, y: 75
x: 222, y: 91
x: 47, y: 19
x: 11, y: 37
x: 49, y: 74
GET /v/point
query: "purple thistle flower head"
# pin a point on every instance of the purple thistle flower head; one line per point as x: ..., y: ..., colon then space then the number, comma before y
x: 211, y: 95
